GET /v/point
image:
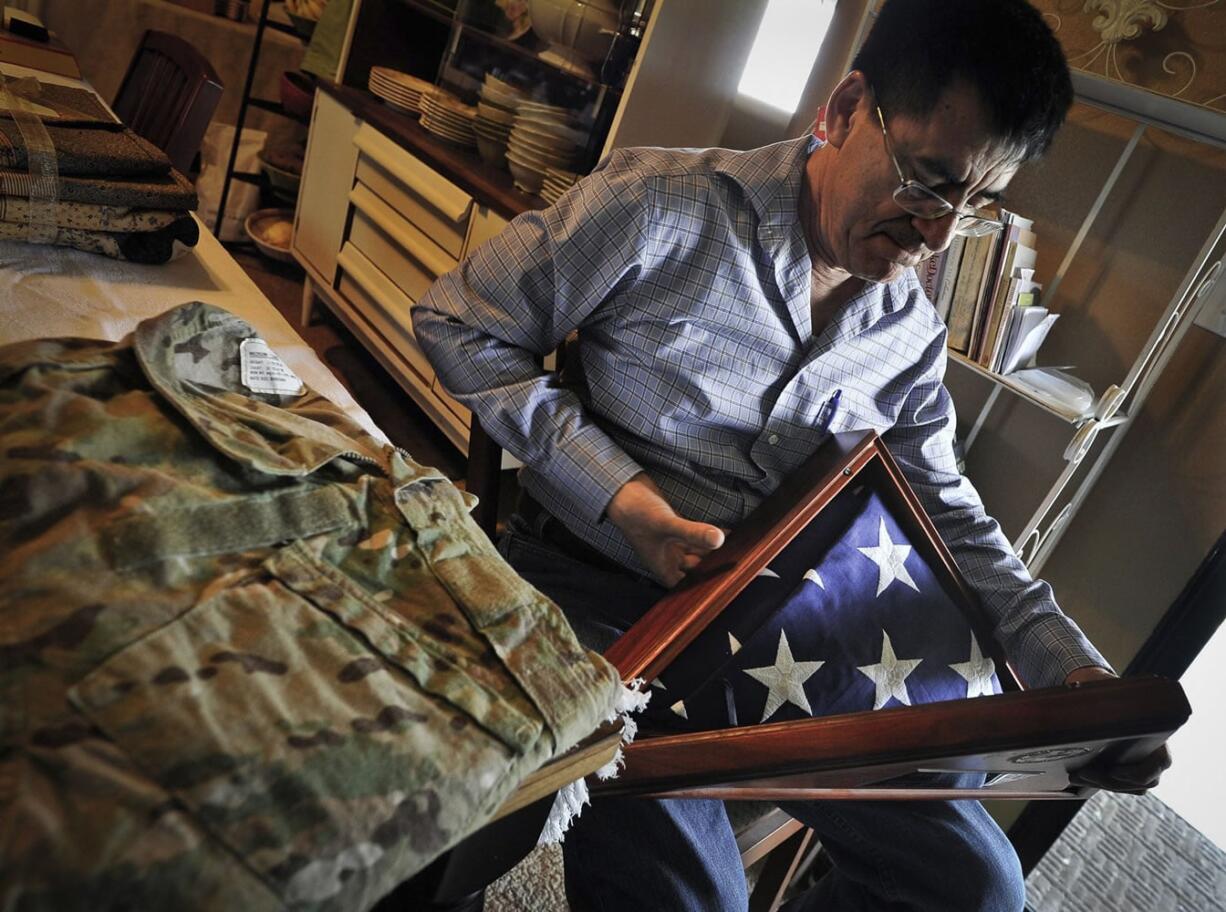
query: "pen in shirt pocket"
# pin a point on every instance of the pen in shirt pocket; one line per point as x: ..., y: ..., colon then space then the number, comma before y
x: 829, y: 409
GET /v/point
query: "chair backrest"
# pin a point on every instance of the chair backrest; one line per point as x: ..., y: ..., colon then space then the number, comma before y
x: 168, y: 96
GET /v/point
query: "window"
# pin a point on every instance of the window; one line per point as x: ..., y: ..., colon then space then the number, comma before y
x: 784, y: 50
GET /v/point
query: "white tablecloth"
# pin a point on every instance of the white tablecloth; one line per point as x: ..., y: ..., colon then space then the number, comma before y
x: 48, y: 292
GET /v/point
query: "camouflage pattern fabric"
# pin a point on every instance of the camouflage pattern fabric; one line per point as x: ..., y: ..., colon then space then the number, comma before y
x: 91, y: 217
x: 250, y: 657
x: 155, y: 246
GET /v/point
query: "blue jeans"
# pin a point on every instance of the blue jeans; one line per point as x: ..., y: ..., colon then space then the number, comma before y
x: 640, y: 855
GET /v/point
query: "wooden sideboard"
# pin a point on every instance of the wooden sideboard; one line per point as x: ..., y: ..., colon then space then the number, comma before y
x: 384, y: 209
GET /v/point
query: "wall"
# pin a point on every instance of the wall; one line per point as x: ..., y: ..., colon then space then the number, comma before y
x: 1161, y: 503
x: 104, y: 34
x: 681, y: 89
x: 752, y: 123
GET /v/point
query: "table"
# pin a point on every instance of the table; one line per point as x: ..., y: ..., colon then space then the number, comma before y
x: 54, y: 291
x: 48, y: 292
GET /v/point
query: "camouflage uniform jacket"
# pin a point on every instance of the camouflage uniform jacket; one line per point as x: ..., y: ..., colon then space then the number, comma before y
x: 250, y: 657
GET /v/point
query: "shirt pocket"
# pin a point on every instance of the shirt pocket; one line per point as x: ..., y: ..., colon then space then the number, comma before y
x: 330, y: 763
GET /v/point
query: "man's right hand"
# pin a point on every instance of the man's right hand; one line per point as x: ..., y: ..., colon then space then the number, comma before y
x: 669, y: 545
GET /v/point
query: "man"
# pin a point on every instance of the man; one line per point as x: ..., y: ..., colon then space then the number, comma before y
x: 734, y: 308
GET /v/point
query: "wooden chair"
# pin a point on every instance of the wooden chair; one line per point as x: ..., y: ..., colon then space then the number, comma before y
x: 168, y: 96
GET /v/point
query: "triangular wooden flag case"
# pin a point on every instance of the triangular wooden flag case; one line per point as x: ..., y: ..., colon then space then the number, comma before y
x: 1028, y: 742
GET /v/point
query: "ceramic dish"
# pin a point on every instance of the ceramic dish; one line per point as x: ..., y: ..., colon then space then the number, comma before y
x: 550, y: 132
x: 526, y: 178
x: 283, y: 184
x: 492, y: 151
x: 271, y: 230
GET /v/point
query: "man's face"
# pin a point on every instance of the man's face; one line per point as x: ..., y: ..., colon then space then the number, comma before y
x: 858, y: 228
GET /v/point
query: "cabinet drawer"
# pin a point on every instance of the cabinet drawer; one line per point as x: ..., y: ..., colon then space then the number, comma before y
x: 404, y: 254
x: 383, y: 305
x: 421, y: 195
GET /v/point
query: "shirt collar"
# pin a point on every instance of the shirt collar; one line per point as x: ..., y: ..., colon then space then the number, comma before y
x: 771, y: 179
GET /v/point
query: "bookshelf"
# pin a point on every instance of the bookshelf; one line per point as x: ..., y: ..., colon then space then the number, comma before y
x: 1122, y: 366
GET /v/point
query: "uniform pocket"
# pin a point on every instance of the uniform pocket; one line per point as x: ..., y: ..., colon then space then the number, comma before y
x: 313, y: 753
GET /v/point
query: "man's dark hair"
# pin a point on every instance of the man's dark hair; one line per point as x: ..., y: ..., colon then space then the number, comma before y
x: 1003, y: 48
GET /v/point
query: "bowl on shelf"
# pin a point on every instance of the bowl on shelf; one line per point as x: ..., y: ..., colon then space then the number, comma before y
x: 297, y: 94
x: 284, y: 184
x: 271, y: 230
x: 492, y: 150
x: 579, y: 32
x: 527, y: 178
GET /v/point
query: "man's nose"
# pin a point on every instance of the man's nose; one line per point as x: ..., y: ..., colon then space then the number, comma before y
x: 937, y: 232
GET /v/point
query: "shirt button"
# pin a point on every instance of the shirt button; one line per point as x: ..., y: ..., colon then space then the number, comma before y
x: 772, y: 439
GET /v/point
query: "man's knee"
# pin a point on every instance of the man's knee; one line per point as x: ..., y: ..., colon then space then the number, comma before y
x: 1002, y: 887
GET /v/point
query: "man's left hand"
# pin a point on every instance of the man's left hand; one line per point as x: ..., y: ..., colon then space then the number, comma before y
x: 1134, y: 778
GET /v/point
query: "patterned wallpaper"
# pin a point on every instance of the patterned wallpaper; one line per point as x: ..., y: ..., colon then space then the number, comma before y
x: 1172, y: 47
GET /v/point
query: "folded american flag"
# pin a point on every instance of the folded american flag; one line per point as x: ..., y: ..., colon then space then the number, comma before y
x: 848, y: 617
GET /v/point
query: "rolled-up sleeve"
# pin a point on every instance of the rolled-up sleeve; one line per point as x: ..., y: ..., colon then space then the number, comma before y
x: 1042, y: 643
x: 485, y: 325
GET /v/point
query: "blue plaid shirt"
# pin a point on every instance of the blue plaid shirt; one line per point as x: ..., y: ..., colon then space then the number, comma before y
x: 687, y: 274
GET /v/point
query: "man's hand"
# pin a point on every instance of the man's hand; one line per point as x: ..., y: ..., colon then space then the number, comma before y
x: 1136, y: 777
x: 669, y: 545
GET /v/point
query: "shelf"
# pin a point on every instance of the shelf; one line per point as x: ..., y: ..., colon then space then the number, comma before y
x: 436, y: 11
x: 492, y: 186
x: 283, y: 27
x: 1052, y: 408
x: 480, y: 34
x: 267, y: 104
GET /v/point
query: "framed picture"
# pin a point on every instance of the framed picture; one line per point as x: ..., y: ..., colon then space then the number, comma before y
x: 825, y: 651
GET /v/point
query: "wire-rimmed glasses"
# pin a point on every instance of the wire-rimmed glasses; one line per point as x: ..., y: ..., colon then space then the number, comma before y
x: 922, y: 201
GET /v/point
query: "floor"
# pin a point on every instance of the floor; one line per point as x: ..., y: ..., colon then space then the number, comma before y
x: 1124, y: 853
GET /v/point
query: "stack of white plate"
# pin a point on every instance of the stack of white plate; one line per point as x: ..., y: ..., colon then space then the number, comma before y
x: 445, y: 115
x: 557, y: 181
x: 495, y: 117
x: 541, y: 138
x: 400, y: 90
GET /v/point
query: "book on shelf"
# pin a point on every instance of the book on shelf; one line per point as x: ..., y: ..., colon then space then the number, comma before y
x: 968, y: 290
x: 1015, y: 236
x: 950, y: 261
x: 1021, y: 291
x: 1028, y: 328
x: 929, y: 274
x: 1017, y: 276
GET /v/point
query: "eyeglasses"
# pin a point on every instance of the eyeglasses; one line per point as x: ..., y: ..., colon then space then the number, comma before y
x: 923, y: 202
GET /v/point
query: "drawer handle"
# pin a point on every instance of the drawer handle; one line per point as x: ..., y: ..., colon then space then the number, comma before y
x: 391, y: 224
x: 360, y: 269
x: 424, y: 182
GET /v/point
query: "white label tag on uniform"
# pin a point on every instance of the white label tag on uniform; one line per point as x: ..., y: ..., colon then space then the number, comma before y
x: 265, y: 372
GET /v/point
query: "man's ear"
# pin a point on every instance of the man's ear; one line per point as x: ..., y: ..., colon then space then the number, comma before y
x: 843, y: 105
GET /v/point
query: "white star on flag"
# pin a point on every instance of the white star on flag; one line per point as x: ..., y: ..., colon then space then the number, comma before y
x: 977, y: 671
x: 785, y: 679
x: 768, y: 572
x: 814, y: 577
x: 890, y: 674
x: 889, y: 559
x: 734, y: 645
